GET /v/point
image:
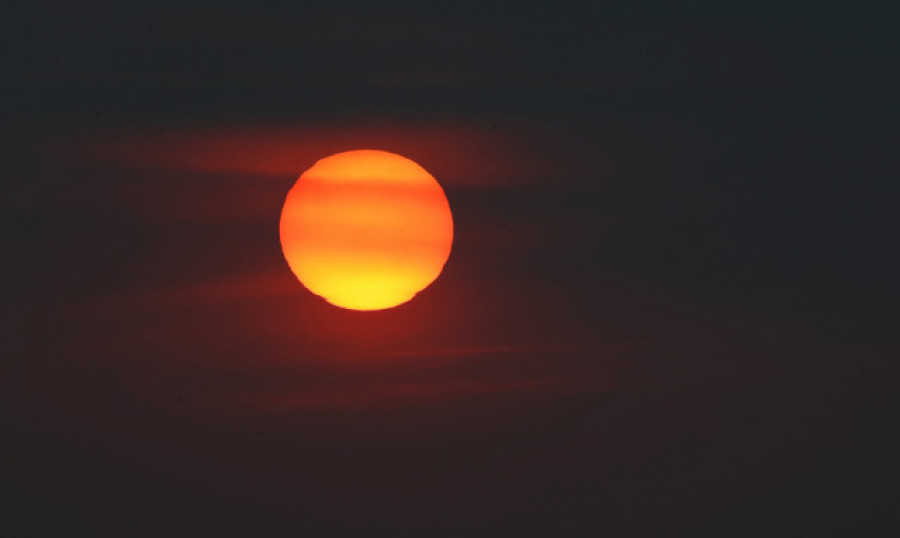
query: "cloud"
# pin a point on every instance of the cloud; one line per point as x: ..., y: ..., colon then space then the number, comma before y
x: 456, y: 153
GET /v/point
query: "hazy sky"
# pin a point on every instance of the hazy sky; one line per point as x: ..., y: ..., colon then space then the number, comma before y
x: 669, y: 308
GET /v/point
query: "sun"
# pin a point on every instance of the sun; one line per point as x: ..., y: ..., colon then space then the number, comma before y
x: 366, y: 229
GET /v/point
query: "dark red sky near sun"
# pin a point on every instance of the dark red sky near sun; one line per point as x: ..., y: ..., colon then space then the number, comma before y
x: 668, y: 310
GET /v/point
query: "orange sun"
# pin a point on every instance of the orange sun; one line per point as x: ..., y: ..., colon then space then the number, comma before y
x: 366, y: 229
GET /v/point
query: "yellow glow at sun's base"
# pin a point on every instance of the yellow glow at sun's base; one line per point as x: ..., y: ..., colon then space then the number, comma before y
x: 366, y: 229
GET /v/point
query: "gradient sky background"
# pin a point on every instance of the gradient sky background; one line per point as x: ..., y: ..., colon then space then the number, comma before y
x: 670, y: 309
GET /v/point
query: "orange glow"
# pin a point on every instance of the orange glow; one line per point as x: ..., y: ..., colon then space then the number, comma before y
x: 366, y: 229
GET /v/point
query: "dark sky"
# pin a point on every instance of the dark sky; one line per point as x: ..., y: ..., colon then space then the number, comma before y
x: 670, y: 309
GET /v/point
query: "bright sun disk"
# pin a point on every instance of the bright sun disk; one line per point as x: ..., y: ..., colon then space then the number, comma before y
x: 366, y: 229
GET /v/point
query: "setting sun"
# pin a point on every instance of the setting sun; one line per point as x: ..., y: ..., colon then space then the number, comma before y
x: 366, y: 229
